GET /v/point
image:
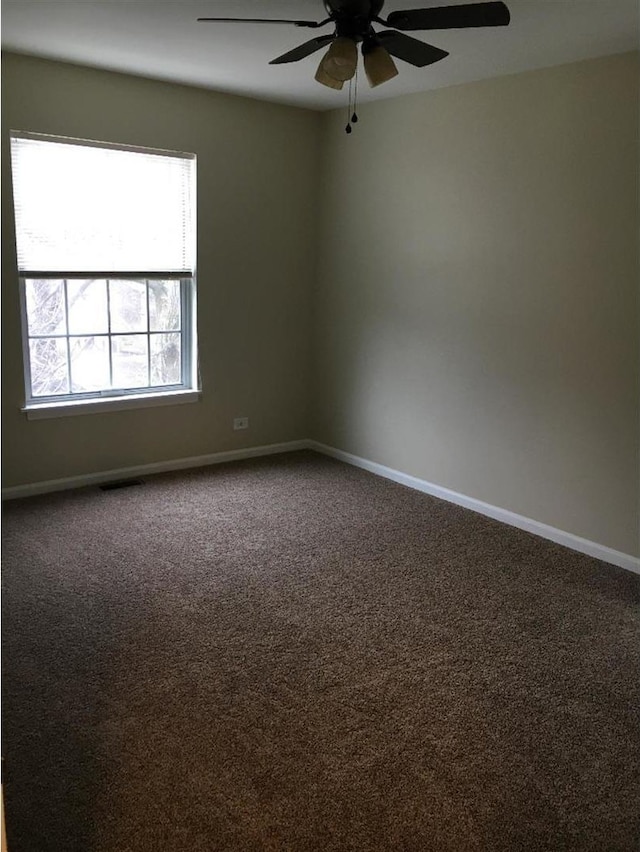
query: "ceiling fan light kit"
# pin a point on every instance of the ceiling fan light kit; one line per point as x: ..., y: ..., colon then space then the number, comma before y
x: 353, y: 21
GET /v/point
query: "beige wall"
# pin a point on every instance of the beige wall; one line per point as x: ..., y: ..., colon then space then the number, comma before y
x: 257, y: 168
x: 477, y: 303
x: 475, y: 311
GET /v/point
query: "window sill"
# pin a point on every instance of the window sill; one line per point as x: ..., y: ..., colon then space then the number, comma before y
x: 121, y: 403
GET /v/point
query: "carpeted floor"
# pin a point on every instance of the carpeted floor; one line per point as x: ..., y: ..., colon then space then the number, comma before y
x: 292, y: 654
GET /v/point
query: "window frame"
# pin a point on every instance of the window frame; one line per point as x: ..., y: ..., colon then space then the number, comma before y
x: 118, y: 398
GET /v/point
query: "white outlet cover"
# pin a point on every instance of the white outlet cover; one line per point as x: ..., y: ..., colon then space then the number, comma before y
x: 240, y: 423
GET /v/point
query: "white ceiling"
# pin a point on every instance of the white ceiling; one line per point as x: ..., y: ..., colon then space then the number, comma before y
x: 161, y: 39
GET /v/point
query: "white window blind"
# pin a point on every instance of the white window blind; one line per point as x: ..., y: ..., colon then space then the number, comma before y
x: 86, y: 208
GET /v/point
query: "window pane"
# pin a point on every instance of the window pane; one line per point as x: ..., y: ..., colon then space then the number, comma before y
x: 87, y: 304
x: 165, y: 359
x: 130, y: 360
x: 89, y: 364
x: 45, y: 306
x: 48, y: 358
x: 128, y: 304
x: 84, y: 362
x: 164, y: 305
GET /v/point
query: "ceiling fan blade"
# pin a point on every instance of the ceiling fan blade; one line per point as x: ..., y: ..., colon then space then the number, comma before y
x: 303, y: 50
x: 451, y: 17
x: 410, y: 49
x: 268, y: 21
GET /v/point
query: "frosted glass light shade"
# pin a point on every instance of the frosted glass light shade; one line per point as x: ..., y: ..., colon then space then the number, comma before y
x: 325, y: 79
x: 341, y: 60
x: 379, y: 66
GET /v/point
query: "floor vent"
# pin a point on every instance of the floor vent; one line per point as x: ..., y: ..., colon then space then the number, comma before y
x: 120, y: 483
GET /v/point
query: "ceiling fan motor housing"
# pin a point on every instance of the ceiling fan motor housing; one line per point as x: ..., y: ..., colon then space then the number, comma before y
x: 353, y: 17
x: 362, y: 8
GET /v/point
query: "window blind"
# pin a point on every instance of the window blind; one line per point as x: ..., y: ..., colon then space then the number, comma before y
x: 82, y: 207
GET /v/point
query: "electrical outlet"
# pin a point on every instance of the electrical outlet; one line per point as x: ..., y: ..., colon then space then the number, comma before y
x: 240, y: 423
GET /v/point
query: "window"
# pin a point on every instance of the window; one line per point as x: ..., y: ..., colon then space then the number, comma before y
x: 105, y: 237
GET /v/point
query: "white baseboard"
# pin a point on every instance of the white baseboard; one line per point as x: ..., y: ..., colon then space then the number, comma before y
x: 45, y: 487
x: 573, y: 542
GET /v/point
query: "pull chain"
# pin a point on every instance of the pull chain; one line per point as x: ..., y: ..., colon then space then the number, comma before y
x: 352, y: 116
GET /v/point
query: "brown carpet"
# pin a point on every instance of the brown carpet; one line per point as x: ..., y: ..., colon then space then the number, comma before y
x: 293, y: 654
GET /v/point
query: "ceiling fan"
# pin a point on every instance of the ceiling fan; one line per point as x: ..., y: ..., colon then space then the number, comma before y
x: 353, y: 24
